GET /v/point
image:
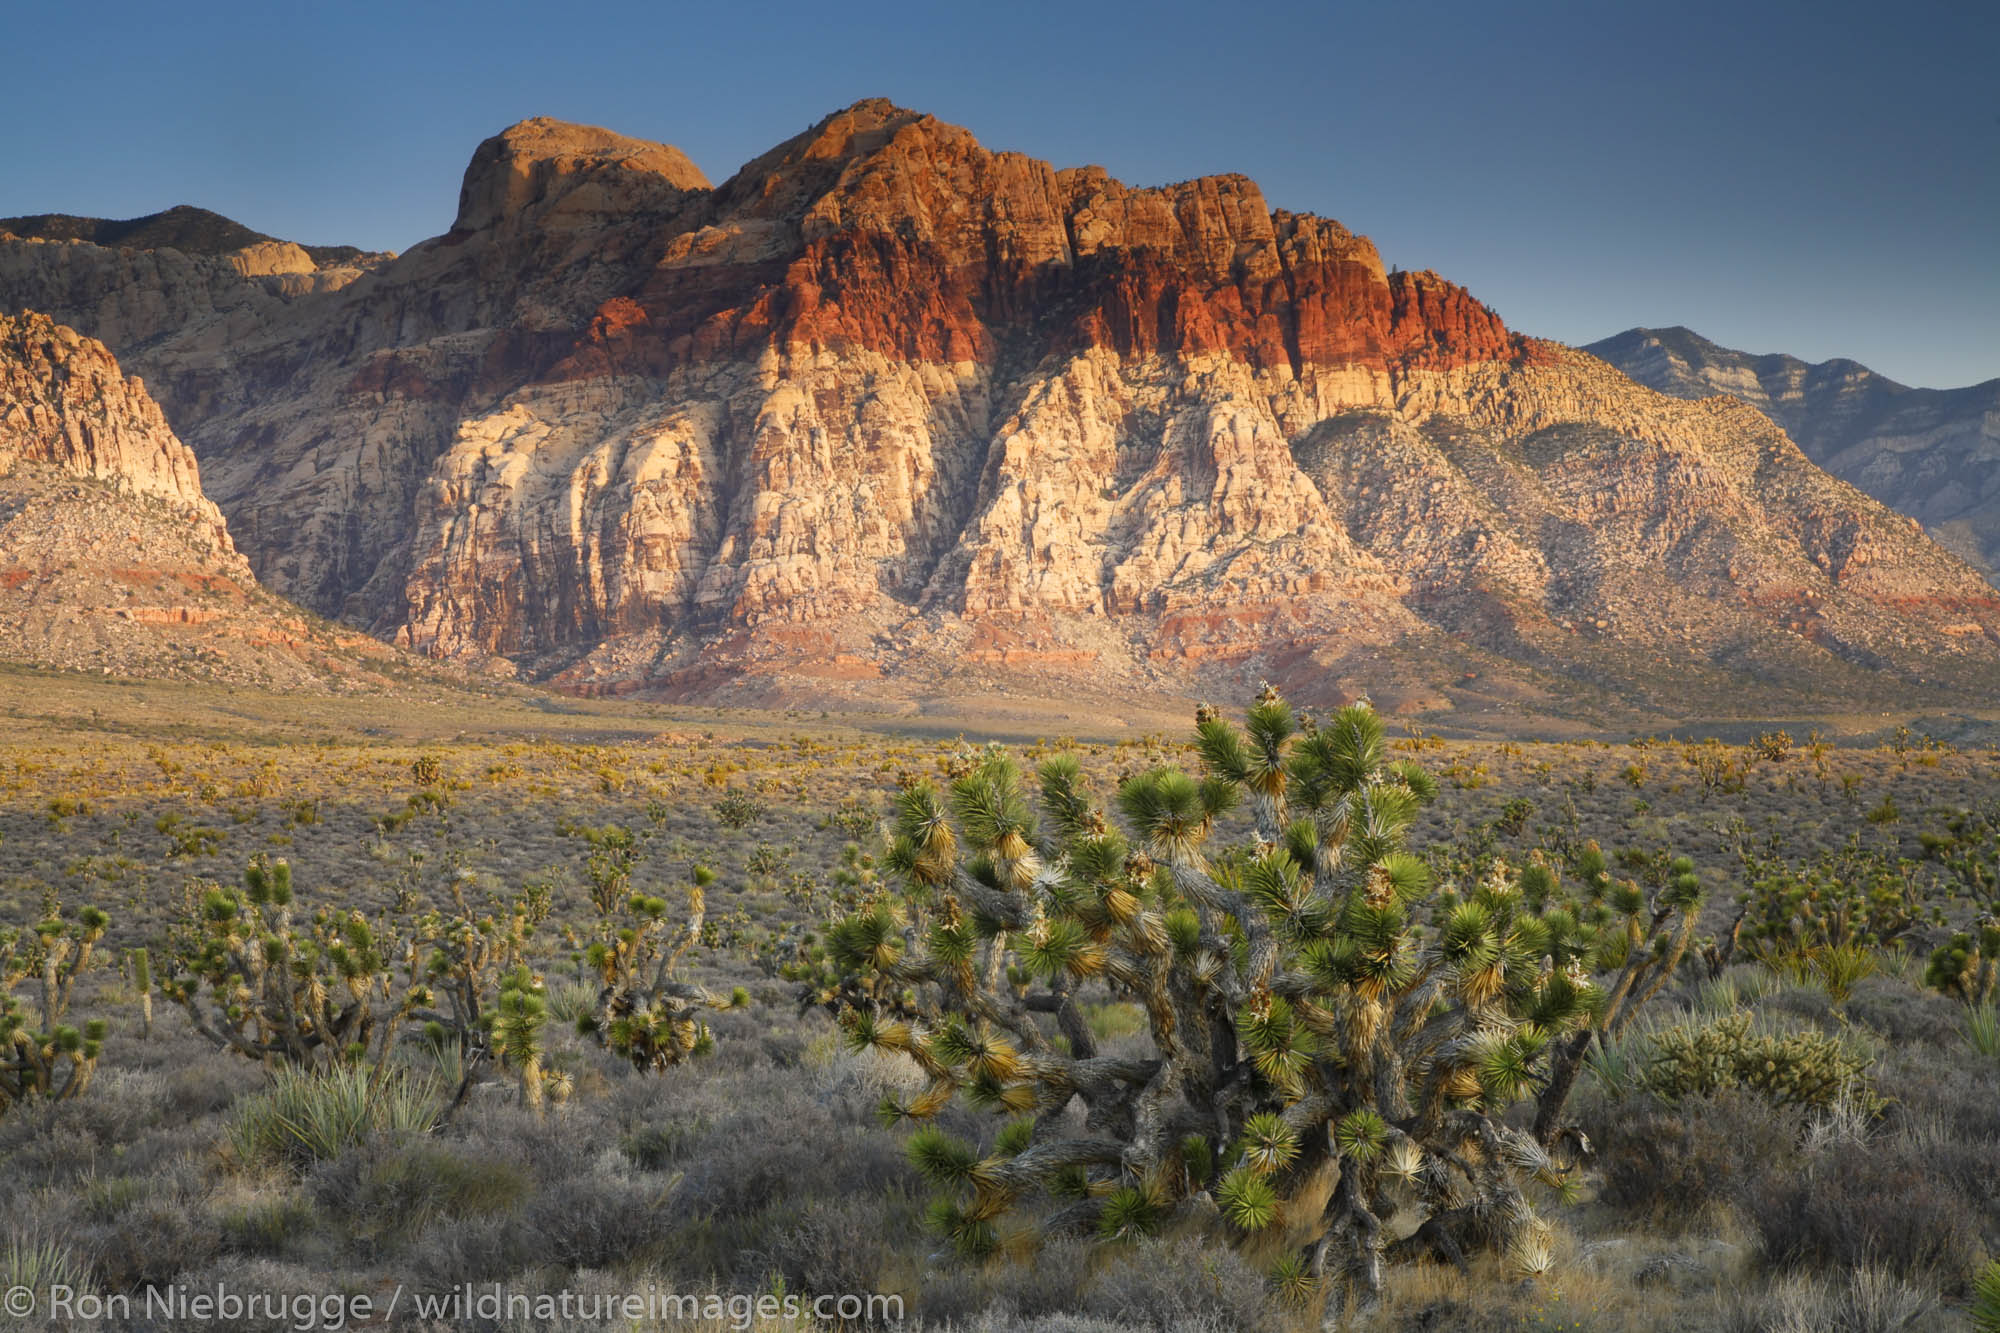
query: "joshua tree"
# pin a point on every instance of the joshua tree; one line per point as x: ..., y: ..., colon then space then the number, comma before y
x: 1333, y: 1038
x: 644, y: 1011
x: 255, y: 981
x: 517, y: 1032
x: 41, y: 1055
x: 1964, y: 965
x: 339, y: 988
x: 479, y: 996
x: 614, y: 851
x: 1643, y: 937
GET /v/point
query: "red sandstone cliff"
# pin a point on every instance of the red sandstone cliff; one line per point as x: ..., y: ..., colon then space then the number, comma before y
x: 886, y: 404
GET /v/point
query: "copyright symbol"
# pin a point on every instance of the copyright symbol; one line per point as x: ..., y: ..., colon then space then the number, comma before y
x: 19, y: 1302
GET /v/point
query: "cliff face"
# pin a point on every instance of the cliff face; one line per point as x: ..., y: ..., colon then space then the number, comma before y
x: 66, y: 405
x: 1933, y: 454
x: 111, y: 557
x: 887, y: 411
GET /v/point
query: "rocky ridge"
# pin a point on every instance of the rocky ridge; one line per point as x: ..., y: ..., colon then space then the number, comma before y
x: 1933, y: 454
x: 889, y: 413
x: 111, y: 557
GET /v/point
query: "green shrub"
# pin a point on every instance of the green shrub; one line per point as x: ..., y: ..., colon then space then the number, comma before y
x: 267, y: 1226
x: 399, y: 1188
x: 1677, y: 1160
x: 1889, y: 1203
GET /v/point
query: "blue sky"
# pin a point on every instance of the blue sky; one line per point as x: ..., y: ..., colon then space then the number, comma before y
x: 1821, y: 179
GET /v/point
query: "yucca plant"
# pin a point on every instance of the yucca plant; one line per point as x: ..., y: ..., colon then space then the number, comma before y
x: 37, y: 1263
x: 1982, y: 1029
x: 306, y: 1116
x: 1837, y: 967
x: 1338, y: 1027
x: 1986, y: 1299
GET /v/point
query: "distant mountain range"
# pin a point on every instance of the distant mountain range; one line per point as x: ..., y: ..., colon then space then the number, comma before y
x: 1933, y: 454
x: 193, y: 231
x: 888, y: 416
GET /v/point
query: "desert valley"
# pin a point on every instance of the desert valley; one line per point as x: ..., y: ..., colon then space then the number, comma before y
x: 915, y: 738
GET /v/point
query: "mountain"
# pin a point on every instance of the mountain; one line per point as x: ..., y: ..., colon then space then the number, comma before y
x: 887, y: 415
x: 111, y: 557
x: 1933, y: 454
x: 171, y: 293
x: 193, y: 231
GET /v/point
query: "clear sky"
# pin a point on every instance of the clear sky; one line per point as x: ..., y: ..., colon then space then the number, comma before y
x: 1816, y: 178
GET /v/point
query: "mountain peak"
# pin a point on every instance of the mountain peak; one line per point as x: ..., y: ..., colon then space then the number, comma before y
x: 536, y: 160
x: 788, y: 178
x: 184, y: 227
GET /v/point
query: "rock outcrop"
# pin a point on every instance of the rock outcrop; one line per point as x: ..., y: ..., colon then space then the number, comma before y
x: 1933, y: 454
x: 111, y: 557
x: 66, y: 405
x: 887, y: 412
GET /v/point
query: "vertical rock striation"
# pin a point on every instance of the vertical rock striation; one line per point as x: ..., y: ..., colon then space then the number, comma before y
x: 886, y: 406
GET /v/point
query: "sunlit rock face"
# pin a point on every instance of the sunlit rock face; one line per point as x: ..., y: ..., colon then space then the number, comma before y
x: 112, y: 560
x: 886, y: 407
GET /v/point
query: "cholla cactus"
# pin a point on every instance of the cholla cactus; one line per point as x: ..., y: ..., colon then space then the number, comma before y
x: 41, y: 1055
x: 644, y: 1012
x: 1803, y: 1068
x: 1331, y: 1040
